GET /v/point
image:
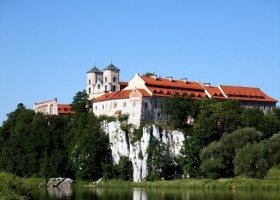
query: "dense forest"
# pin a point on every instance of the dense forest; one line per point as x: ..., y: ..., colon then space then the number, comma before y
x: 224, y: 140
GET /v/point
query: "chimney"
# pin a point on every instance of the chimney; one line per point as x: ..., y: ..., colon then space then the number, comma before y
x: 170, y: 78
x: 154, y: 77
x: 207, y: 84
x: 184, y: 79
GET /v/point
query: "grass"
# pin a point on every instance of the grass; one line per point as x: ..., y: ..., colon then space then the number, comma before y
x: 238, y: 183
x: 12, y: 187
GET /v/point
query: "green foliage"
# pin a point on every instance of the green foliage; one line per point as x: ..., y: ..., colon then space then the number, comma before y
x: 125, y: 127
x: 252, y: 161
x: 107, y: 118
x: 179, y: 109
x: 12, y: 187
x: 80, y: 103
x: 273, y: 145
x: 123, y: 117
x: 90, y: 149
x: 124, y: 169
x: 214, y: 118
x: 148, y: 74
x: 159, y: 161
x: 217, y: 158
x: 270, y: 124
x: 138, y: 133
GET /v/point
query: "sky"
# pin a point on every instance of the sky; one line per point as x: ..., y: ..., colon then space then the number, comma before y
x: 46, y: 47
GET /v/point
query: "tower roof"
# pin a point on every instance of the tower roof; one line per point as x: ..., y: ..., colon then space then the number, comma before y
x: 111, y: 67
x: 94, y: 70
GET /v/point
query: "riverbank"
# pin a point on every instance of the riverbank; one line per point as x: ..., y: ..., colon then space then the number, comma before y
x: 240, y: 184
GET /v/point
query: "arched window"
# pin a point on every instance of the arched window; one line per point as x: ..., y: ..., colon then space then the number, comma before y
x: 89, y: 90
x: 89, y: 82
x: 114, y: 79
x: 105, y: 79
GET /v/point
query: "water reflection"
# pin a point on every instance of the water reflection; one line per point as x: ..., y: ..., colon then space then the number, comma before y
x: 148, y: 194
x: 60, y: 193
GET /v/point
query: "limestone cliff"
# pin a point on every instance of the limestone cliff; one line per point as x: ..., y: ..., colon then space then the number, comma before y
x: 121, y: 145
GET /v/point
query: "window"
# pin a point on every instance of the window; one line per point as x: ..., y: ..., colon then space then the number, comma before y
x: 105, y: 88
x: 114, y: 79
x: 115, y: 105
x: 98, y: 86
x: 146, y: 105
x: 89, y: 90
x: 103, y: 107
x: 155, y: 106
x: 114, y: 88
x: 89, y: 82
x: 95, y: 107
x: 124, y: 104
x: 134, y: 104
x: 106, y: 79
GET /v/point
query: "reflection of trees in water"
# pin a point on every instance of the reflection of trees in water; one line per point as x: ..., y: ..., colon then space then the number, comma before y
x: 60, y: 193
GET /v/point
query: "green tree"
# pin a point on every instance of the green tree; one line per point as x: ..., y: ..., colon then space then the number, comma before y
x: 149, y: 74
x: 124, y: 169
x: 269, y: 125
x: 252, y: 161
x: 90, y: 150
x: 217, y: 158
x: 180, y: 110
x: 273, y: 145
x: 80, y: 103
x: 252, y: 118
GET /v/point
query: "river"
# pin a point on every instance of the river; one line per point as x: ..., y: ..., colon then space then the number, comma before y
x: 148, y: 194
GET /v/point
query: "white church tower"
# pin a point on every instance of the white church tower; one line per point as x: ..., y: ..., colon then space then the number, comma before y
x: 99, y: 83
x: 94, y: 81
x: 111, y: 78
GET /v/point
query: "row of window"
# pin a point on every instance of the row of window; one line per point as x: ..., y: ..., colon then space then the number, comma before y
x: 106, y: 88
x: 114, y: 80
x: 124, y: 105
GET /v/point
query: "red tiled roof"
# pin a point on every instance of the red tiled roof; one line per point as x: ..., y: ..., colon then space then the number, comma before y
x: 163, y: 92
x: 163, y: 82
x: 246, y: 93
x: 123, y: 94
x: 215, y: 92
x: 64, y: 109
x: 123, y: 84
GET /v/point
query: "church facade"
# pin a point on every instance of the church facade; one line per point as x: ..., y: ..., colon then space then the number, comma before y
x: 142, y: 97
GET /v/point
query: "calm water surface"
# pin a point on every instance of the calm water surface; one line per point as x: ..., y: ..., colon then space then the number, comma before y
x: 148, y: 194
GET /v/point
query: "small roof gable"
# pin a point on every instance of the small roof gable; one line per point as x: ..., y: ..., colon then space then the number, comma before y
x: 94, y: 70
x: 65, y: 109
x: 111, y: 67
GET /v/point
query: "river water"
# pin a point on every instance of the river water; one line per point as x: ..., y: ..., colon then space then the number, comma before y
x: 148, y: 194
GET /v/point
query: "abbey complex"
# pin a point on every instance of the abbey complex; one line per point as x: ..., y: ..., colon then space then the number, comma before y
x: 142, y: 97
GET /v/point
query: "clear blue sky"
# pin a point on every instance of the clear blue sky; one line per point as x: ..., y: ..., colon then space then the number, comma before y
x: 46, y: 47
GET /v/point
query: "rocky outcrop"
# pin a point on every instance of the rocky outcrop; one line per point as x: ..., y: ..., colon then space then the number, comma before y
x: 121, y: 145
x: 60, y: 182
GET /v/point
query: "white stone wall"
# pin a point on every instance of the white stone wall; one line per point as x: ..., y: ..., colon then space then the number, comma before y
x: 47, y: 107
x: 131, y: 106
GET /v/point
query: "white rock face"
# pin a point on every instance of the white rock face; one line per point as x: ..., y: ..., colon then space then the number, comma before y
x: 121, y: 145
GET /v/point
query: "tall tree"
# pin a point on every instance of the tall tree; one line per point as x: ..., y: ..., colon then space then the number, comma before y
x: 80, y: 103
